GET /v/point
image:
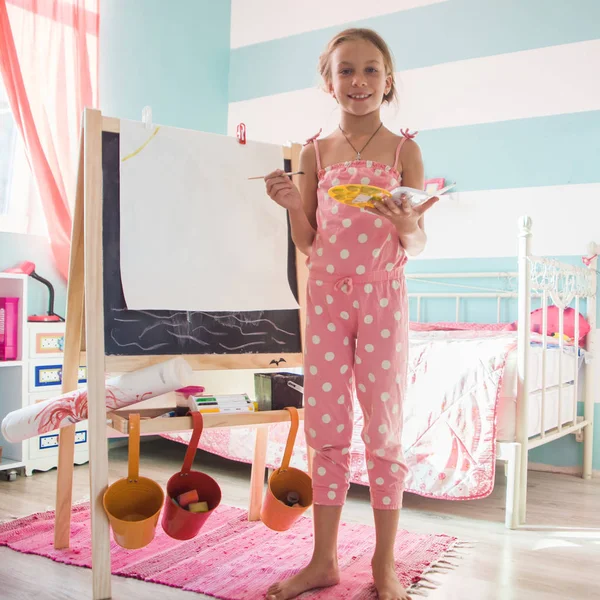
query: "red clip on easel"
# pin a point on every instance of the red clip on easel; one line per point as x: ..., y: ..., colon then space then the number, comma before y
x: 241, y: 133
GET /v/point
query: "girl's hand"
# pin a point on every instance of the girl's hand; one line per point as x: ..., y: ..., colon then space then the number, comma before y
x: 281, y: 189
x: 405, y: 217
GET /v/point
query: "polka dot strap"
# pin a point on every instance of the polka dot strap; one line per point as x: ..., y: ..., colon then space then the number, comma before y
x: 289, y: 447
x: 317, y: 155
x: 398, y: 152
x: 406, y: 135
x: 313, y: 139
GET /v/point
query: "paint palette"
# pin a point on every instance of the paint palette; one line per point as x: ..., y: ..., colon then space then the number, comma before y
x: 359, y: 196
x: 365, y: 196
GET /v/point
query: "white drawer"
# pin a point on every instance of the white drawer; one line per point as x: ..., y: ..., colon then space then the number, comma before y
x: 46, y: 340
x: 47, y: 375
x: 47, y: 444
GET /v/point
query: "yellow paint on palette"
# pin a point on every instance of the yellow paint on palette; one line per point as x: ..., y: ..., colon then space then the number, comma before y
x: 359, y: 196
x: 142, y: 146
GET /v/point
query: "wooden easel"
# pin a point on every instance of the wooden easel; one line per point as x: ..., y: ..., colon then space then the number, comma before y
x: 84, y: 344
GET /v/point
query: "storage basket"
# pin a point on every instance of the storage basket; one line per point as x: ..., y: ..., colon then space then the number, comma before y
x: 9, y: 328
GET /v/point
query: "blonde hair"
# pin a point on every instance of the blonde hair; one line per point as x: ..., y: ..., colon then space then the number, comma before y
x: 359, y: 34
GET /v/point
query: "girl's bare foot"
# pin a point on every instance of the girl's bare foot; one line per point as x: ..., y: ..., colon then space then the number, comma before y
x: 316, y: 575
x: 386, y: 581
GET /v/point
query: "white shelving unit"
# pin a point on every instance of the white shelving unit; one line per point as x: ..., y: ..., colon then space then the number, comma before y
x: 13, y: 375
x: 35, y: 375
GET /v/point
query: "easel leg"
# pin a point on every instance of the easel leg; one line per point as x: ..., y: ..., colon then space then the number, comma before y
x: 73, y: 331
x: 94, y: 329
x: 64, y: 487
x: 257, y: 477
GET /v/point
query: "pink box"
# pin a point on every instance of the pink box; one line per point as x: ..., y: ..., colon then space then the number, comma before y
x: 9, y: 328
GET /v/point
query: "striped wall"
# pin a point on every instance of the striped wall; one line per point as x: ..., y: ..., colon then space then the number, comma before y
x: 171, y: 56
x: 506, y: 98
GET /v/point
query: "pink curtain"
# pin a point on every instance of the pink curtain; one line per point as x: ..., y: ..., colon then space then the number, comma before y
x: 49, y: 66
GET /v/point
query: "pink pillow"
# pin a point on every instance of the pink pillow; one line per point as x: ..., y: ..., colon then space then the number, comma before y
x: 552, y: 326
x: 536, y: 324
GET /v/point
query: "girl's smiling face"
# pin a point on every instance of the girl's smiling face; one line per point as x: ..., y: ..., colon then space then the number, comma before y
x: 358, y: 77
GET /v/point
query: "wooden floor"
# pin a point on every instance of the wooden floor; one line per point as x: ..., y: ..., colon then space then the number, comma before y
x: 556, y: 556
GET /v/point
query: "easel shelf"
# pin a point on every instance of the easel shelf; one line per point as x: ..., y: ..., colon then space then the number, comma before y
x: 151, y: 423
x: 200, y: 362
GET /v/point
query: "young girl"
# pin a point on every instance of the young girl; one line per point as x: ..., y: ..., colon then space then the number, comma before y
x: 357, y: 312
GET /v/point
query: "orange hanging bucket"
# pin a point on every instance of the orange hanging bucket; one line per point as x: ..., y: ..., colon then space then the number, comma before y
x: 188, y: 491
x: 289, y: 493
x: 133, y: 503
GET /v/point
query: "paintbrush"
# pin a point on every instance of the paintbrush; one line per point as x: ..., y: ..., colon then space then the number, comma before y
x: 263, y: 176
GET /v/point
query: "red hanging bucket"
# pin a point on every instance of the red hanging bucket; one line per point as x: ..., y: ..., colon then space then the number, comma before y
x: 178, y: 520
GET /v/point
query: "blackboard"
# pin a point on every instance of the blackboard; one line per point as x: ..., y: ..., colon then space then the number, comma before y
x: 157, y: 332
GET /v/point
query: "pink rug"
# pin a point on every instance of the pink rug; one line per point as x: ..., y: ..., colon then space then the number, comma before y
x: 234, y: 559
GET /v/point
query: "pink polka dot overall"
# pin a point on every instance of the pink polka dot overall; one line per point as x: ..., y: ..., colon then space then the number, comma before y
x: 356, y: 338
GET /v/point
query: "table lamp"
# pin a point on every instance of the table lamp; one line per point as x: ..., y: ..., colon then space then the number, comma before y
x: 28, y: 268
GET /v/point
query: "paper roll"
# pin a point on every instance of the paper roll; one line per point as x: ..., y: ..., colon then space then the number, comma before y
x: 121, y: 391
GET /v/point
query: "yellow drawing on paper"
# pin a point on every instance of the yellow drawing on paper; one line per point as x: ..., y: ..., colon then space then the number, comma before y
x: 142, y: 146
x: 360, y: 196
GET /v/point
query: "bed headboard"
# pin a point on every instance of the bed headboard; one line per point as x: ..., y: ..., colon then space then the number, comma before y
x: 544, y: 281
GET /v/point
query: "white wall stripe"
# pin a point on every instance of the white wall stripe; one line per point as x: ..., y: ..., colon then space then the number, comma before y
x: 255, y: 21
x: 293, y: 116
x: 533, y: 83
x: 483, y: 224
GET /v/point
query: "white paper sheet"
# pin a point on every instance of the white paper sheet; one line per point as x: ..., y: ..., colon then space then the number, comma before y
x: 195, y: 233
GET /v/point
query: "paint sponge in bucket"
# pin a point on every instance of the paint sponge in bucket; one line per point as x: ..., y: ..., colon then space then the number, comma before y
x: 187, y: 498
x: 198, y: 507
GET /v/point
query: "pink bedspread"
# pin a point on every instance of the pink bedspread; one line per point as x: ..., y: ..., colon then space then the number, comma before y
x: 449, y: 418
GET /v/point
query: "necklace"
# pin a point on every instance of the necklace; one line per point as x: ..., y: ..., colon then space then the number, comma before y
x: 358, y: 152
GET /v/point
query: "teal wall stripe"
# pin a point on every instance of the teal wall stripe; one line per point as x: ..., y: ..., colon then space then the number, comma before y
x: 17, y: 247
x: 541, y: 151
x: 172, y: 56
x: 421, y: 37
x: 475, y: 265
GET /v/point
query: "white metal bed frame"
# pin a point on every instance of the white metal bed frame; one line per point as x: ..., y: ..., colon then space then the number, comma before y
x: 562, y: 284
